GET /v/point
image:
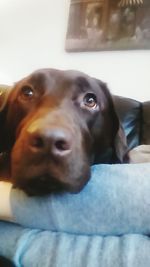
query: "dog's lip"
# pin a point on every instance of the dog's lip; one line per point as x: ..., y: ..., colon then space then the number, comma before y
x: 39, y: 185
x: 46, y: 180
x: 46, y: 184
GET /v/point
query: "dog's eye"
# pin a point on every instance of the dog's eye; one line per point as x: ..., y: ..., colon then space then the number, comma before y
x: 90, y: 101
x: 27, y: 92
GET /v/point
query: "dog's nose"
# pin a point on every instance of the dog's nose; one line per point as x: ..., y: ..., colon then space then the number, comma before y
x: 56, y: 141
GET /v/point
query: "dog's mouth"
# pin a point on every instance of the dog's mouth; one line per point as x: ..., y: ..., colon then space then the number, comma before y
x: 46, y: 184
x: 42, y: 174
x: 41, y: 185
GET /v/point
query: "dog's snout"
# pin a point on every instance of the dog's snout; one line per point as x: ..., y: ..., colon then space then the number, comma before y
x: 58, y: 142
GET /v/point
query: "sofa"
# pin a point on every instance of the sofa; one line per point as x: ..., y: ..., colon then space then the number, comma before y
x: 107, y: 224
x: 135, y: 119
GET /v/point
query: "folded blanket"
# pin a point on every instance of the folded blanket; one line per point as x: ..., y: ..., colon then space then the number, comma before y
x: 116, y: 201
x: 35, y: 248
x: 105, y: 225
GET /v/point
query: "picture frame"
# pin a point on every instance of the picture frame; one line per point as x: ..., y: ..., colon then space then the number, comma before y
x: 98, y: 25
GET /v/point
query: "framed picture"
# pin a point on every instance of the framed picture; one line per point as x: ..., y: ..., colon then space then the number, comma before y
x: 108, y: 25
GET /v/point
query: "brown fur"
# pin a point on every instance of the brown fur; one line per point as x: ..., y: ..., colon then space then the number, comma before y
x: 52, y: 137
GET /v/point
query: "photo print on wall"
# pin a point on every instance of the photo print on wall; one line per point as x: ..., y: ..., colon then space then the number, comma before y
x: 108, y: 25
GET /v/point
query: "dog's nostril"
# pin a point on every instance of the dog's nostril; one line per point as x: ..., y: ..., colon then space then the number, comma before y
x: 55, y: 142
x: 62, y: 145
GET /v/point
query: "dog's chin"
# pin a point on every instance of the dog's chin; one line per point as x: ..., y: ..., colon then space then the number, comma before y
x: 38, y: 186
x: 44, y: 185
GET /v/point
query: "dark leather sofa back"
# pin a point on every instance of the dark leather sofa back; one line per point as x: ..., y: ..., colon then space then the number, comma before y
x: 146, y: 123
x: 135, y: 119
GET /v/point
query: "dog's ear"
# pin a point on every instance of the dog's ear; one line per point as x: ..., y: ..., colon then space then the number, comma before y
x: 119, y: 139
x: 4, y: 93
x: 120, y: 145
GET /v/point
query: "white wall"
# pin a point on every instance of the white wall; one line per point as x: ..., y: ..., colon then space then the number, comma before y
x: 32, y: 35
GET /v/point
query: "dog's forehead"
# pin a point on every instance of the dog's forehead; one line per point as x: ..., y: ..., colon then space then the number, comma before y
x: 51, y: 78
x: 81, y: 79
x: 44, y: 77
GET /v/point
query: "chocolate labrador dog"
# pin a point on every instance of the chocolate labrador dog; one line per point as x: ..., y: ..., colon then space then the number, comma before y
x: 55, y: 125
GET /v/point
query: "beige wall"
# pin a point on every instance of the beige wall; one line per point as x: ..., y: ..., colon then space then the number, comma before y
x: 32, y: 35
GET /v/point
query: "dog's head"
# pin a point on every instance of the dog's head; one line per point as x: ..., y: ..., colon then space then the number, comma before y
x: 55, y: 125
